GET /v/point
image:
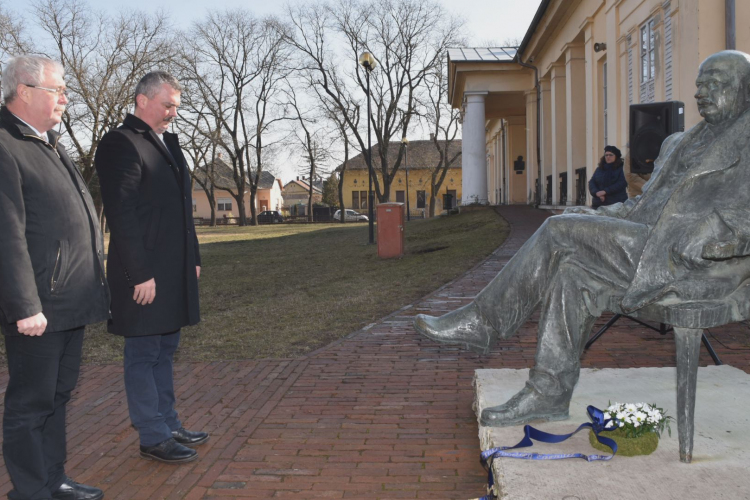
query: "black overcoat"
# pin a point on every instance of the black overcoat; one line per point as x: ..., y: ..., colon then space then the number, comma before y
x: 51, y: 248
x: 147, y: 200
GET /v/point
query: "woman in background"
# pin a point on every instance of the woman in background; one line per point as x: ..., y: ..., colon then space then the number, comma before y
x: 608, y: 185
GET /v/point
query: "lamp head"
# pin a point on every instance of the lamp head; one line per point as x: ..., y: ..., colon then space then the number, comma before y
x: 405, y: 141
x: 367, y: 61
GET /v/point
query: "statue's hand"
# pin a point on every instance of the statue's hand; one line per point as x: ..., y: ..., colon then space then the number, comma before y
x: 580, y: 210
x: 719, y: 250
x: 690, y: 255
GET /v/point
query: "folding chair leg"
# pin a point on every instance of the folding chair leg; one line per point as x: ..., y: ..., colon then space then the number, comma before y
x: 688, y: 344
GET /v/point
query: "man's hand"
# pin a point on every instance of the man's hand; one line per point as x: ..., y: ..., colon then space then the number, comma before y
x: 33, y: 326
x: 198, y: 271
x: 145, y: 292
x: 602, y: 195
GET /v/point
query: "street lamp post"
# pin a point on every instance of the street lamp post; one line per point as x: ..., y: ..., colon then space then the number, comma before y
x: 367, y: 61
x: 405, y: 142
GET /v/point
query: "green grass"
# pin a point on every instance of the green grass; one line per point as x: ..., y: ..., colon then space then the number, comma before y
x: 286, y: 290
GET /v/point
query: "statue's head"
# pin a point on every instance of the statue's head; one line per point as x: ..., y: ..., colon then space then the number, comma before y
x: 723, y: 86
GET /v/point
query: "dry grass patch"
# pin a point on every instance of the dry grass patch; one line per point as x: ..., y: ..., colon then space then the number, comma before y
x: 285, y: 290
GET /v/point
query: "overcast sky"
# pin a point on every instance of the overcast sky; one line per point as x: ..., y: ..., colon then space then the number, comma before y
x: 486, y: 20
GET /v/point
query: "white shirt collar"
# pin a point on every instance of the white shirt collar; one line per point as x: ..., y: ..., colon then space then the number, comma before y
x: 43, y: 135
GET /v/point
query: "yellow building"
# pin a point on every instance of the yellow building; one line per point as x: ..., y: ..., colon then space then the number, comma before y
x: 592, y: 60
x: 422, y: 157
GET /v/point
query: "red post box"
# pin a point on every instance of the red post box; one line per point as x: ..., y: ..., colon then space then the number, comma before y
x: 390, y: 230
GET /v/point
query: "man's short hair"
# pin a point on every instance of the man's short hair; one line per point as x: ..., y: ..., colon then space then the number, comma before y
x: 28, y: 70
x: 152, y: 82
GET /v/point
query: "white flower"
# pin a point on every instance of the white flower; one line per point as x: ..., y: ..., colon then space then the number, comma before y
x: 630, y: 408
x: 636, y: 424
x: 620, y: 416
x: 607, y: 416
x: 622, y: 424
x: 609, y: 425
x: 639, y: 405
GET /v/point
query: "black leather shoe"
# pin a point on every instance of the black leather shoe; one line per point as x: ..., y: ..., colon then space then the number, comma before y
x: 169, y: 451
x: 189, y: 438
x: 70, y: 490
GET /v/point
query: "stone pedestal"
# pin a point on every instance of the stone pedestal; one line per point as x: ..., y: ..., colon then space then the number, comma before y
x: 720, y: 455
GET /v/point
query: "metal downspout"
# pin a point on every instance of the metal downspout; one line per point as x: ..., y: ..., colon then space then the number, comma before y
x: 730, y: 25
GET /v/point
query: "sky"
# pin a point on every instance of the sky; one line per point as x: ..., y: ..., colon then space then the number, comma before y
x: 487, y: 22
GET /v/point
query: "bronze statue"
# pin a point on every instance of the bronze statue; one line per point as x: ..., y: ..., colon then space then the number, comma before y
x: 686, y: 238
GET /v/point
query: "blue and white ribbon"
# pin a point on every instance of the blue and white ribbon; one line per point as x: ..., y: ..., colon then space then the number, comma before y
x: 597, y: 424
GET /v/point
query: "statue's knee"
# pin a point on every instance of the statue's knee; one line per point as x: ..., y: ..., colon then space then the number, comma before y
x: 559, y: 224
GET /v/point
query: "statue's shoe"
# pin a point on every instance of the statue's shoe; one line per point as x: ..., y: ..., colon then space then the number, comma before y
x: 464, y: 326
x: 527, y: 405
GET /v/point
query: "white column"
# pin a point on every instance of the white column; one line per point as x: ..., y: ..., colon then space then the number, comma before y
x: 532, y: 170
x: 546, y: 135
x: 559, y: 129
x: 473, y: 155
x: 576, y: 114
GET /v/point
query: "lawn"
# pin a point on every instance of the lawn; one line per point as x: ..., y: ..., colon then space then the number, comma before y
x: 286, y: 290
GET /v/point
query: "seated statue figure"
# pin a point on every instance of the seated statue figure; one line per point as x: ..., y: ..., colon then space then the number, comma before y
x: 685, y: 239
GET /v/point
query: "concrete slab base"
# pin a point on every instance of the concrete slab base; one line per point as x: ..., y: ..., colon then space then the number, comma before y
x: 721, y: 453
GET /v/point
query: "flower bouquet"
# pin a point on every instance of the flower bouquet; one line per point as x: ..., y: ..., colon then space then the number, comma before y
x: 635, y: 428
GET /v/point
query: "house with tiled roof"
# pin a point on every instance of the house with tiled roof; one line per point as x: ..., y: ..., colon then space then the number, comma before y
x: 269, y: 194
x: 297, y: 192
x: 421, y: 159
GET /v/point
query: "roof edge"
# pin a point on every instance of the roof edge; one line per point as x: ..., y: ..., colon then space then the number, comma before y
x: 532, y: 27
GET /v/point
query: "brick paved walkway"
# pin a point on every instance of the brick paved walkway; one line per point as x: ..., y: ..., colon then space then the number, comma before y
x: 380, y: 414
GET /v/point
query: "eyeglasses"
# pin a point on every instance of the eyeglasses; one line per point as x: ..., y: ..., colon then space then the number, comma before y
x: 608, y: 154
x: 60, y: 91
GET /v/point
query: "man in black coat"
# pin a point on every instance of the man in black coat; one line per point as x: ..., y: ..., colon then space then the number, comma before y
x: 51, y: 278
x: 153, y: 264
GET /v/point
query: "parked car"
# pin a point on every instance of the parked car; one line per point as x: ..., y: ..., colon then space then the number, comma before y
x: 351, y: 216
x: 270, y: 217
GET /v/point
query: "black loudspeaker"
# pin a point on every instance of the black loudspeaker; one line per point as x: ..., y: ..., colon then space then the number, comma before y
x: 650, y: 124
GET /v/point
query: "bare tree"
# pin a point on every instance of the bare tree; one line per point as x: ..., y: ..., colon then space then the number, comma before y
x: 200, y: 146
x: 236, y: 64
x: 444, y: 123
x: 407, y: 37
x: 104, y: 58
x: 13, y: 37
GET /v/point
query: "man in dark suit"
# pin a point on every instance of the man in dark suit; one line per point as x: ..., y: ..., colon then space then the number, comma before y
x: 153, y: 263
x: 51, y: 278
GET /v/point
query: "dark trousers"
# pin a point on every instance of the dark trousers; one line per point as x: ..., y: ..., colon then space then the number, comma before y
x: 43, y: 372
x: 150, y: 387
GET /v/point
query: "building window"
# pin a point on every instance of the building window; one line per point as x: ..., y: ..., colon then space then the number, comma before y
x: 648, y: 51
x: 604, y: 106
x: 224, y: 204
x: 421, y: 199
x: 355, y: 199
x: 400, y: 197
x: 195, y: 206
x: 363, y: 200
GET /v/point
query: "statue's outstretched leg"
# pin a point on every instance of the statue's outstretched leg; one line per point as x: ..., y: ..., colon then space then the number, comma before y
x: 576, y: 263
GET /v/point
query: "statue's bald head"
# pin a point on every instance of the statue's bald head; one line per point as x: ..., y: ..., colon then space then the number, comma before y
x: 723, y: 86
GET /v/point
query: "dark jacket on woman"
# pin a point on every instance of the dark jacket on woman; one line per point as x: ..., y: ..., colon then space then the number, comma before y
x: 147, y: 200
x: 610, y: 178
x: 51, y: 258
